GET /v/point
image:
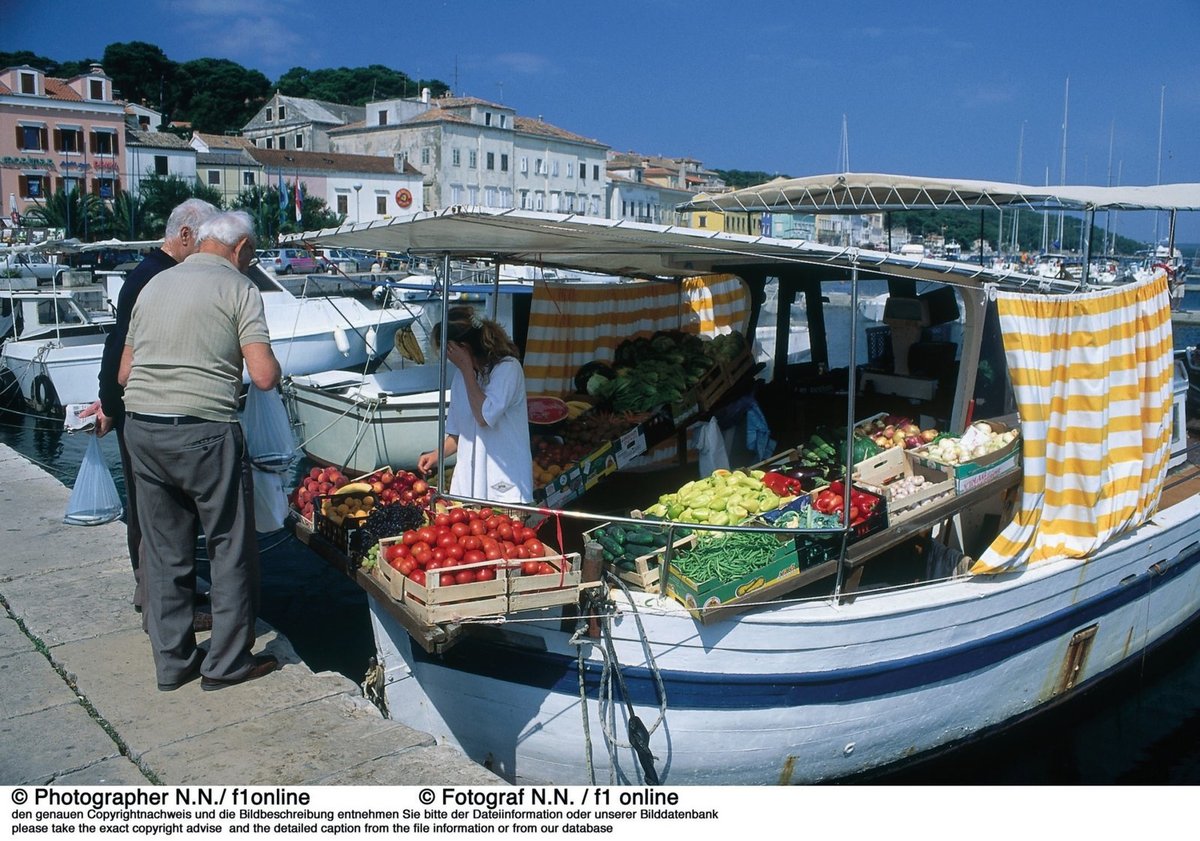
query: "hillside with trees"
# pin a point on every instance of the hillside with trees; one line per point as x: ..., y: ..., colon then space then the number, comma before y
x: 217, y: 95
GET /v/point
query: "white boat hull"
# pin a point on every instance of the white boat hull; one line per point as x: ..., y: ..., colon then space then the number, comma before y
x: 69, y: 367
x: 363, y: 423
x: 303, y: 341
x: 805, y: 692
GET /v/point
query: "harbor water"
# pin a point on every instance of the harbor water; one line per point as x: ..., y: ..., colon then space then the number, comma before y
x: 1140, y: 728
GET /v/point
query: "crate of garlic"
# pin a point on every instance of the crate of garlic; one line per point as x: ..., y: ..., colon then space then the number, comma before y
x: 986, y: 450
x: 906, y: 484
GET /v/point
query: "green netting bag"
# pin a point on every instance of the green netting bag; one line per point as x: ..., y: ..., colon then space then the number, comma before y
x: 94, y: 499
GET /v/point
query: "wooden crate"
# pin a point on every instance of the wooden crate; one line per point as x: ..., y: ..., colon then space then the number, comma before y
x: 892, y: 465
x: 529, y: 592
x: 645, y: 575
x: 435, y: 601
x: 390, y: 580
x: 738, y: 367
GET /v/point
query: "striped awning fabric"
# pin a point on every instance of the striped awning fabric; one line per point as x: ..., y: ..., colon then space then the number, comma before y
x: 1092, y: 374
x: 571, y: 324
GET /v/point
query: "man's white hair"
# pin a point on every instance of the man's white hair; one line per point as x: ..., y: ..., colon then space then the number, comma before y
x: 227, y: 228
x: 189, y: 214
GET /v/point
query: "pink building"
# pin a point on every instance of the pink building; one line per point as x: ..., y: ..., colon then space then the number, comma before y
x: 58, y: 134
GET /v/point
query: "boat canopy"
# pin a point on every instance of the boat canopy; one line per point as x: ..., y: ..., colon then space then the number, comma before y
x: 873, y: 192
x: 633, y: 249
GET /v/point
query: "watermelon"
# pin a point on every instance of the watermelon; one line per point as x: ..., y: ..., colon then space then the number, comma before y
x: 546, y: 411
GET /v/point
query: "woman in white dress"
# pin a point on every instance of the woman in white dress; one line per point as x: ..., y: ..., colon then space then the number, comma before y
x: 487, y: 423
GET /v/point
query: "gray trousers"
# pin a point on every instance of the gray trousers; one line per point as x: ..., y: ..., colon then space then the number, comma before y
x: 133, y: 529
x: 189, y: 475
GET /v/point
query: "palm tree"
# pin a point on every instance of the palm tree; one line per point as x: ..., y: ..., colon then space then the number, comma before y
x: 160, y: 195
x: 79, y: 214
x: 128, y: 217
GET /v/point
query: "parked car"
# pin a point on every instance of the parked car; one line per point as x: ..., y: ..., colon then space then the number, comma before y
x: 339, y: 259
x: 28, y: 264
x: 287, y: 261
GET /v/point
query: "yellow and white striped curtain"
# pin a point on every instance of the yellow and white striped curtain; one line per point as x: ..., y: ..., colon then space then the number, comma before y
x: 716, y: 304
x: 1092, y: 374
x: 571, y: 324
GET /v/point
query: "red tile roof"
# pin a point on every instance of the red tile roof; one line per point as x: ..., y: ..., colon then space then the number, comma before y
x: 332, y: 161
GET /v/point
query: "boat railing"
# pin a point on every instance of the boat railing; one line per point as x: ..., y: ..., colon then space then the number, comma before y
x: 672, y: 528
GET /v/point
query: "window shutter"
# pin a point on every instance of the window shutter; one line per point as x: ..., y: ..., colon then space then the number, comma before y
x: 58, y: 140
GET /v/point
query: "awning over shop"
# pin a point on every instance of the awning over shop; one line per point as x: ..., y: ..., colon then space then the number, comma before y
x: 872, y: 192
x: 630, y: 249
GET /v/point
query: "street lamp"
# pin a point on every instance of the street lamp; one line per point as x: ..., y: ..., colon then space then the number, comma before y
x: 357, y: 187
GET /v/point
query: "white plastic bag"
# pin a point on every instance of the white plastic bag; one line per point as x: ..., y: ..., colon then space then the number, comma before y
x: 269, y: 440
x: 270, y: 501
x: 94, y: 499
x: 711, y: 444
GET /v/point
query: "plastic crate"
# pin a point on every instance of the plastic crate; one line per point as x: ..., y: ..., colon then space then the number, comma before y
x: 879, y: 347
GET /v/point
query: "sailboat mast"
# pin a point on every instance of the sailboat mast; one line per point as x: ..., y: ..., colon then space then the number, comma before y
x: 1104, y: 247
x: 1162, y: 100
x: 1062, y: 167
x: 1016, y: 244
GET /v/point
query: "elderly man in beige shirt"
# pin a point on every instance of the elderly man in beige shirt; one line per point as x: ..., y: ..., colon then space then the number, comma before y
x: 193, y: 328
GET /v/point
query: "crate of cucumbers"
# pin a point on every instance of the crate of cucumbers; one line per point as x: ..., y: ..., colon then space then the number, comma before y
x: 636, y: 552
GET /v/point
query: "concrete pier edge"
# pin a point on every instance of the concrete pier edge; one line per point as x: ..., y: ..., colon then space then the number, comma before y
x: 79, y: 703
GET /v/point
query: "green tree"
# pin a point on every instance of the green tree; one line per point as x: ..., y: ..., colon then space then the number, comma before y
x: 738, y: 178
x: 162, y: 194
x: 127, y: 217
x: 262, y: 203
x: 81, y: 215
x: 217, y: 95
x: 354, y: 85
x: 142, y: 73
x: 52, y: 67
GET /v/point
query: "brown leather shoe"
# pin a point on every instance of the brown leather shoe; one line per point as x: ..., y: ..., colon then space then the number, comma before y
x: 201, y: 621
x: 187, y: 677
x: 264, y: 664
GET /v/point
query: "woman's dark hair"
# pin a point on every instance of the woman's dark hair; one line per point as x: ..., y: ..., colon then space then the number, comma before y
x: 486, y: 338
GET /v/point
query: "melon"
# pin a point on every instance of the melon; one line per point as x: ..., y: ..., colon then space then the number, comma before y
x: 546, y: 411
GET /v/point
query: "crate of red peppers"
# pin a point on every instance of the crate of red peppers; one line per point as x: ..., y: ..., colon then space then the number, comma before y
x: 868, y: 511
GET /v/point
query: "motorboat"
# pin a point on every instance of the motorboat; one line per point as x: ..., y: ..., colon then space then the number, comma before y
x: 52, y: 338
x: 359, y: 421
x: 55, y: 353
x: 872, y: 307
x: 981, y: 608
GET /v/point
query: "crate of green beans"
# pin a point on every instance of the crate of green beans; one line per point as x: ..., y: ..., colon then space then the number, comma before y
x: 719, y: 568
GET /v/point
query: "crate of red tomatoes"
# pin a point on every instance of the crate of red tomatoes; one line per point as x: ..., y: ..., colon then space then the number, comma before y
x: 471, y: 562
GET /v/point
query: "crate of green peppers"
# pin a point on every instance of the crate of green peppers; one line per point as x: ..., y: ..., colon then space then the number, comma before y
x: 722, y: 568
x: 636, y: 551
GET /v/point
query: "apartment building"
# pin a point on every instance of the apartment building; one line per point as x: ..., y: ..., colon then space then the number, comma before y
x: 224, y: 163
x: 362, y: 188
x: 295, y: 123
x: 479, y: 153
x: 58, y: 134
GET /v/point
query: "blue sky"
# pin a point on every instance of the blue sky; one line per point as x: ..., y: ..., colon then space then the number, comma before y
x: 927, y: 88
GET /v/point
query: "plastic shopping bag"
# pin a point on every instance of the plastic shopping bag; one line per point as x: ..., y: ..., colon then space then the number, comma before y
x: 711, y: 444
x: 269, y: 439
x: 270, y: 501
x: 94, y: 499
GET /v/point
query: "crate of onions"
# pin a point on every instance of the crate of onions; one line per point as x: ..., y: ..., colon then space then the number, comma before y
x: 906, y: 483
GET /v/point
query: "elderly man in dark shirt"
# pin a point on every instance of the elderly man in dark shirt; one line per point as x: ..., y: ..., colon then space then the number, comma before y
x: 179, y: 242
